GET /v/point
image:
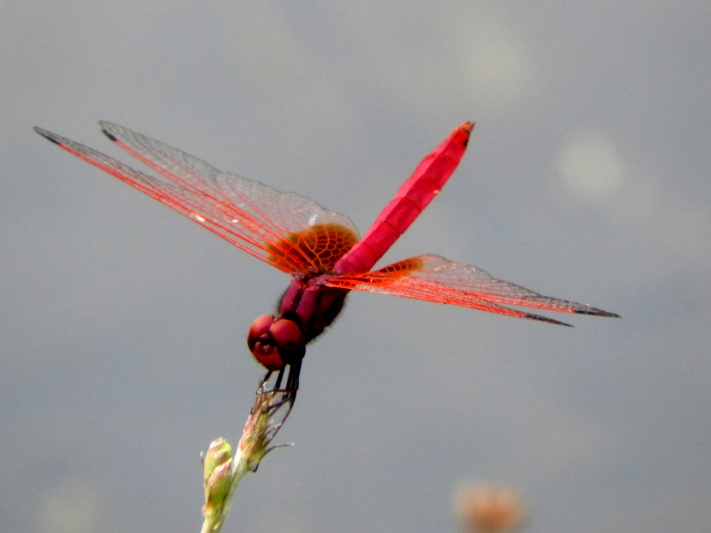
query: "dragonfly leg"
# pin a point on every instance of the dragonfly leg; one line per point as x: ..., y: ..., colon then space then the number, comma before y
x: 265, y: 379
x: 292, y: 379
x: 292, y: 382
x: 277, y: 383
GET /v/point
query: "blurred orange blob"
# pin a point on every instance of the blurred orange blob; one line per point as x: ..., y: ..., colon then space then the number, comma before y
x: 487, y: 509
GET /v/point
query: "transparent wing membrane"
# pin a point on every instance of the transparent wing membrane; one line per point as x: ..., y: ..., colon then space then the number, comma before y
x: 436, y: 279
x: 266, y: 223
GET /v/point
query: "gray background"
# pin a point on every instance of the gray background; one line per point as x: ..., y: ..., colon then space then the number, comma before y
x: 122, y: 324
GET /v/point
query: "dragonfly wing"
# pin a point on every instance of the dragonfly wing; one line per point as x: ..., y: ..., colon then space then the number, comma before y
x: 435, y: 279
x: 410, y: 200
x: 178, y: 167
x: 289, y: 231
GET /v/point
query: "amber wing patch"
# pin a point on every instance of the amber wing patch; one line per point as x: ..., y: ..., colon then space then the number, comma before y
x: 378, y: 278
x: 397, y: 270
x: 312, y: 251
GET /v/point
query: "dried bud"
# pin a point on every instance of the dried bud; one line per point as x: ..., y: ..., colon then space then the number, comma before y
x: 269, y: 412
x: 222, y: 472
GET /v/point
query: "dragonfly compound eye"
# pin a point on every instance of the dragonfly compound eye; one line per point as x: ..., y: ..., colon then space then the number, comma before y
x: 261, y: 343
x: 289, y: 340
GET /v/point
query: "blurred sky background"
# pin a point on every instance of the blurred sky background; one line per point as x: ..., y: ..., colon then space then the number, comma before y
x: 123, y: 324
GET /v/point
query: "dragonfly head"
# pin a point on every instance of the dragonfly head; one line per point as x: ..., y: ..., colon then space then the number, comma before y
x: 276, y: 342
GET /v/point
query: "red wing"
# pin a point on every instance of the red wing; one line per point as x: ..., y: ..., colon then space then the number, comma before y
x: 435, y: 279
x: 286, y: 230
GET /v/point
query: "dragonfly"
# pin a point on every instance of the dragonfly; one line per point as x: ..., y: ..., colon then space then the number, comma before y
x: 320, y: 249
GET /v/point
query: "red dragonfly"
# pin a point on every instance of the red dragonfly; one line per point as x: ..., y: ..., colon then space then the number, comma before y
x: 320, y: 249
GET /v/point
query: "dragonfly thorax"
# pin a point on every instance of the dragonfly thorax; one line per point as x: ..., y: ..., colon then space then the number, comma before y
x: 307, y: 307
